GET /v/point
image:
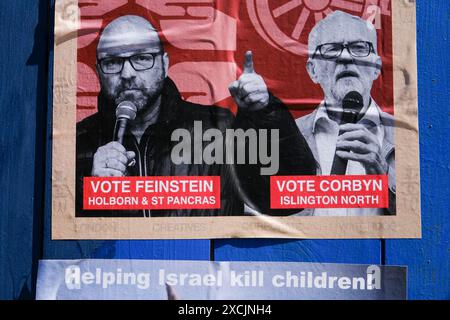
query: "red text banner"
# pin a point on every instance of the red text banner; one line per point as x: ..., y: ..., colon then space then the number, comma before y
x: 358, y: 191
x: 135, y: 193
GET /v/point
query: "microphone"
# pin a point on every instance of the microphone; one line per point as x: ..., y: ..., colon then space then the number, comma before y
x: 352, y: 105
x: 125, y: 111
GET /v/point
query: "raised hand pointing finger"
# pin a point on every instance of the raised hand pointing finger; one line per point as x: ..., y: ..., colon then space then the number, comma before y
x: 249, y: 91
x: 248, y: 63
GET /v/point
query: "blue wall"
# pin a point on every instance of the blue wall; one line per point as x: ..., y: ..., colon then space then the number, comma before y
x: 25, y: 179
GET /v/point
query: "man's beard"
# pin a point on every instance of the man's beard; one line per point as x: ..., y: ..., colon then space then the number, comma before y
x: 141, y: 99
x: 346, y: 85
x: 137, y: 97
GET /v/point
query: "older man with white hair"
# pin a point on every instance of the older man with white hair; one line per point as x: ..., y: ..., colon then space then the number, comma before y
x: 343, y: 60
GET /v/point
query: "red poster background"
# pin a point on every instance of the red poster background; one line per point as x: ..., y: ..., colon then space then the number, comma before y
x: 206, y: 41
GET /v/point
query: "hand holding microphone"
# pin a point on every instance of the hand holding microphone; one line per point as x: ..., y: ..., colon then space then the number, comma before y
x: 355, y: 142
x: 352, y: 104
x: 112, y: 159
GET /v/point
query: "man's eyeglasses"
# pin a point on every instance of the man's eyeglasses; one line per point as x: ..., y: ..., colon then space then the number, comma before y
x: 358, y: 49
x: 139, y: 62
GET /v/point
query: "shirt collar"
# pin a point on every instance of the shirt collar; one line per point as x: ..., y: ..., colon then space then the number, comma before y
x: 321, y: 116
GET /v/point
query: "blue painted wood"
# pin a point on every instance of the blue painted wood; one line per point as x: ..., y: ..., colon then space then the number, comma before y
x: 428, y: 259
x: 163, y: 249
x: 337, y: 251
x: 25, y: 30
x: 23, y: 60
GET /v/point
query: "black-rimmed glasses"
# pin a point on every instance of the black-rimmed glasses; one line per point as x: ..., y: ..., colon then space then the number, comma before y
x: 358, y: 49
x: 139, y: 62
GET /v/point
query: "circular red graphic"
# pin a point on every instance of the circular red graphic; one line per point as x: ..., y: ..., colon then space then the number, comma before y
x: 285, y: 25
x: 316, y: 5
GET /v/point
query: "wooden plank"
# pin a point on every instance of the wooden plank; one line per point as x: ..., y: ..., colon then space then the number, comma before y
x: 331, y: 251
x: 22, y: 97
x: 23, y: 60
x: 163, y: 249
x: 428, y: 259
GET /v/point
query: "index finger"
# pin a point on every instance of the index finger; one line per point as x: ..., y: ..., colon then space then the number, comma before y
x: 248, y: 63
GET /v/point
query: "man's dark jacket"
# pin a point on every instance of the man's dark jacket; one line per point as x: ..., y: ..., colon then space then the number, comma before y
x: 239, y: 183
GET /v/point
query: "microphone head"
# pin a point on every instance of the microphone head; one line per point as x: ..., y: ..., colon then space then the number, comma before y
x: 353, y: 102
x: 126, y: 110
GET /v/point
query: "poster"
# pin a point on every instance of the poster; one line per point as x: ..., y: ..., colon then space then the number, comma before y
x: 205, y: 280
x: 219, y: 119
